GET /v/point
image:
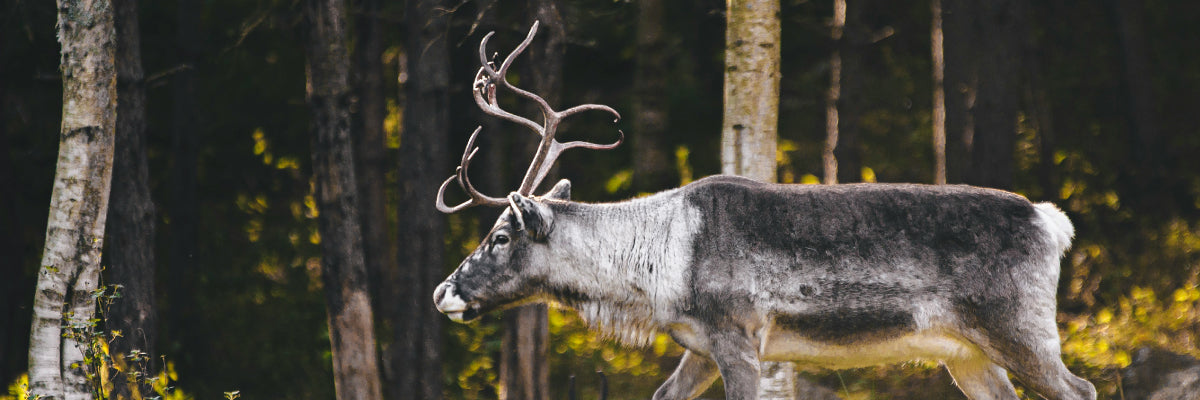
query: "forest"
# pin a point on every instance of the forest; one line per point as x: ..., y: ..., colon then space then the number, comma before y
x: 243, y: 125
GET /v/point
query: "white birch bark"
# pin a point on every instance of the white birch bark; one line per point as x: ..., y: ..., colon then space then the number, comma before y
x: 79, y: 202
x: 748, y: 133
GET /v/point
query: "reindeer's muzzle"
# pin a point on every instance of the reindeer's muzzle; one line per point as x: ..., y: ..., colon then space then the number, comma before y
x: 448, y: 301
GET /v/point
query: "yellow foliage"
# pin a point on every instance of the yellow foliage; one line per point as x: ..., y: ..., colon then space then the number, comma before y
x: 1107, y: 338
x: 619, y: 181
x: 681, y: 163
x: 868, y: 174
x: 18, y: 389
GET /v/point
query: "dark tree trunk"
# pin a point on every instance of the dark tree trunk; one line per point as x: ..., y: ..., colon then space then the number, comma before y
x: 1041, y: 115
x: 1147, y: 138
x: 653, y: 166
x: 371, y: 157
x: 131, y: 218
x: 70, y: 267
x: 416, y: 352
x: 183, y: 207
x: 1001, y: 32
x: 958, y: 27
x: 11, y: 339
x: 937, y: 55
x: 854, y: 43
x: 343, y: 271
x: 524, y: 363
x: 524, y: 368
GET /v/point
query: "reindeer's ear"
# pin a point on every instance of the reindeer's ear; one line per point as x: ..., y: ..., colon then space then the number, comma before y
x: 560, y: 191
x: 532, y: 216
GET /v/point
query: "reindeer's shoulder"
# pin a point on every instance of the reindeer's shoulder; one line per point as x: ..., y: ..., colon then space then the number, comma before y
x: 714, y: 184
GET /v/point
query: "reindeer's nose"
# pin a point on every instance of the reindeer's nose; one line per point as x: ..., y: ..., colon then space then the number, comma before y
x: 439, y: 293
x: 448, y: 301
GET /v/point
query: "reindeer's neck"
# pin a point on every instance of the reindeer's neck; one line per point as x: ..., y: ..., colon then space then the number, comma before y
x: 623, y: 266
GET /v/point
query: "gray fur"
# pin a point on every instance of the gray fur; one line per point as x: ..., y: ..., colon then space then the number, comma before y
x: 738, y: 271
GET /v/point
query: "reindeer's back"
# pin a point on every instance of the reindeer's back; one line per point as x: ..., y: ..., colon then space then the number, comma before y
x: 859, y: 259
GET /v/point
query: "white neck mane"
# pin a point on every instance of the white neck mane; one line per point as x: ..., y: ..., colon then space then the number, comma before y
x: 623, y: 266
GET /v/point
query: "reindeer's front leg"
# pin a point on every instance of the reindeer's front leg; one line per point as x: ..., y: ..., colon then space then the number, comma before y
x: 694, y: 374
x: 736, y: 357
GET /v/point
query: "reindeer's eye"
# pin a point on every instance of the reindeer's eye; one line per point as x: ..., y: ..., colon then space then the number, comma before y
x: 500, y: 239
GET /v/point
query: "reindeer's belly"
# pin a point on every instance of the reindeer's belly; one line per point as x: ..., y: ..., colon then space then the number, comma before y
x: 783, y: 345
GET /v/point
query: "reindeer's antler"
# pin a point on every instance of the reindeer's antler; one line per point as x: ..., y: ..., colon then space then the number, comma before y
x: 549, y: 149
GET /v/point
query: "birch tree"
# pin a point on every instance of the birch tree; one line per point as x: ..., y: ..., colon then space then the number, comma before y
x: 343, y: 269
x: 70, y: 267
x: 749, y: 130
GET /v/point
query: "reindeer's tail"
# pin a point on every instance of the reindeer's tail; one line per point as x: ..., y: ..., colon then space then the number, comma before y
x: 1056, y: 224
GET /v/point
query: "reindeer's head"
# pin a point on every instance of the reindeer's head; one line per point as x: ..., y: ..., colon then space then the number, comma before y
x: 502, y: 270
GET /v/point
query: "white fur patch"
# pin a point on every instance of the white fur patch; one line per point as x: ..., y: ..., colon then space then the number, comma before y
x: 1056, y: 224
x: 451, y: 303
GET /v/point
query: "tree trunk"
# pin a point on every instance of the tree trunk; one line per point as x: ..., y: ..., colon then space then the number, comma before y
x: 1146, y: 137
x: 854, y: 43
x: 11, y: 339
x: 343, y: 271
x: 748, y: 133
x: 183, y: 208
x: 416, y: 353
x: 958, y: 23
x: 937, y: 53
x: 843, y: 108
x: 370, y: 156
x: 653, y: 166
x: 829, y: 161
x: 70, y: 264
x: 1041, y: 115
x: 1001, y: 29
x: 751, y: 89
x: 131, y: 217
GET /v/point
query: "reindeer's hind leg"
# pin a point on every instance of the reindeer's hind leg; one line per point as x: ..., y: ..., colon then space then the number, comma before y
x: 694, y: 374
x: 1037, y: 362
x: 1026, y: 343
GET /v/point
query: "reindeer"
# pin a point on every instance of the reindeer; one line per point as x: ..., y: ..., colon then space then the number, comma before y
x: 737, y: 271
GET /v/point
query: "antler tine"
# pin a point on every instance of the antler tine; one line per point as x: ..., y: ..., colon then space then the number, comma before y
x: 549, y: 150
x: 593, y: 146
x: 500, y: 75
x: 590, y: 107
x: 520, y: 48
x: 460, y: 174
x: 555, y: 149
x: 491, y: 107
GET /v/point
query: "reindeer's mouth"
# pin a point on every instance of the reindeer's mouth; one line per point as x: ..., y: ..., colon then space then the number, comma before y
x: 450, y: 303
x: 468, y: 315
x: 465, y: 315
